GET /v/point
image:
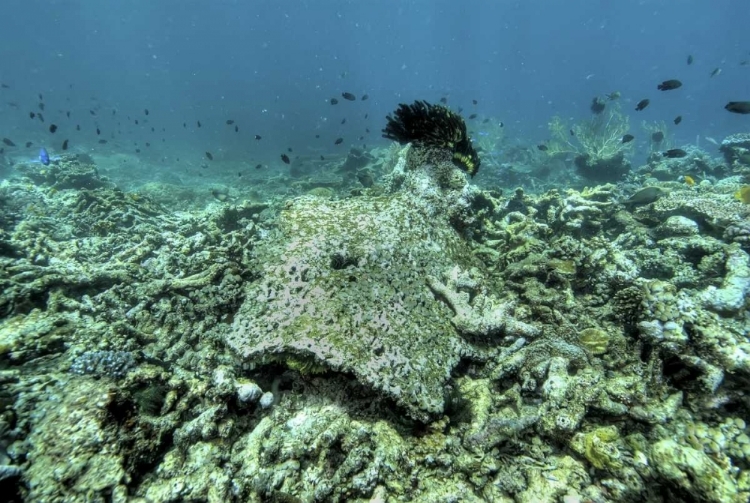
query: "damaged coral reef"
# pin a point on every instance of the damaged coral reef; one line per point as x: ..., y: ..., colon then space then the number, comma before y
x: 422, y: 339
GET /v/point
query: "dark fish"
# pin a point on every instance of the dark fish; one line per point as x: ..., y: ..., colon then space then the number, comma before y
x: 715, y: 72
x: 668, y: 85
x: 230, y: 122
x: 361, y: 138
x: 41, y: 117
x: 145, y: 110
x: 572, y: 133
x: 473, y: 116
x: 92, y: 112
x: 258, y: 166
x: 598, y: 105
x: 43, y: 156
x: 338, y: 141
x: 136, y: 122
x: 690, y: 59
x: 199, y: 123
x: 542, y: 147
x: 102, y: 141
x: 184, y: 124
x: 627, y: 138
x: 657, y: 137
x: 5, y: 86
x: 285, y: 158
x: 289, y: 149
x: 257, y: 137
x: 67, y: 114
x: 137, y: 151
x: 236, y: 129
x: 364, y: 97
x: 343, y: 121
x: 28, y: 144
x: 239, y: 174
x: 317, y: 136
x: 148, y: 144
x: 41, y: 98
x: 209, y: 156
x: 485, y: 121
x: 745, y: 62
x: 367, y: 115
x: 78, y: 127
x: 41, y: 107
x: 348, y: 96
x: 674, y: 153
x: 367, y: 130
x: 98, y: 131
x: 65, y: 145
x: 738, y: 107
x: 443, y: 100
x: 474, y: 101
x: 677, y: 119
x: 642, y: 104
x: 322, y: 158
x: 334, y: 101
x: 32, y: 115
x: 9, y: 142
x: 52, y: 128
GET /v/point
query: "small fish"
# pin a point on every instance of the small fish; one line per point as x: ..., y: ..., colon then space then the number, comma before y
x: 65, y: 145
x: 98, y: 131
x: 32, y: 115
x: 102, y: 141
x: 343, y: 121
x: 289, y: 149
x: 669, y: 85
x: 285, y: 158
x: 485, y: 121
x: 474, y: 102
x: 689, y: 180
x: 78, y: 127
x: 333, y: 101
x: 136, y: 122
x: 92, y: 112
x: 743, y: 195
x: 41, y: 98
x: 627, y: 138
x: 642, y: 104
x: 67, y: 114
x: 572, y: 133
x: 184, y: 125
x: 657, y: 137
x: 258, y: 137
x: 674, y: 153
x: 322, y: 158
x: 209, y: 156
x: 738, y: 107
x: 230, y: 122
x: 690, y: 59
x: 745, y: 62
x: 473, y: 116
x: 367, y: 115
x: 444, y: 100
x: 317, y: 136
x: 677, y: 120
x: 239, y: 174
x: 542, y: 147
x: 5, y: 86
x: 338, y: 141
x: 28, y: 144
x: 236, y: 129
x: 258, y: 166
x: 52, y: 128
x: 348, y: 96
x: 365, y: 97
x: 137, y: 151
x: 41, y: 107
x: 715, y: 72
x: 9, y: 142
x: 646, y: 195
x: 41, y: 117
x: 145, y: 111
x: 44, y: 156
x: 199, y: 123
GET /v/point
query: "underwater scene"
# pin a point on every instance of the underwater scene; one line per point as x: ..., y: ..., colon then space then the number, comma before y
x: 374, y: 252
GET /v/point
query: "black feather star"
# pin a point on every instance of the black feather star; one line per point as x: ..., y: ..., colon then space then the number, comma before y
x: 433, y: 126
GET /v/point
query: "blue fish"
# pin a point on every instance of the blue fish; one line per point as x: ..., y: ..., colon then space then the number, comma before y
x: 44, y: 157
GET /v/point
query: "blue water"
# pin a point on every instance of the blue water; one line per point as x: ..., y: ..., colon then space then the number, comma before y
x: 273, y: 66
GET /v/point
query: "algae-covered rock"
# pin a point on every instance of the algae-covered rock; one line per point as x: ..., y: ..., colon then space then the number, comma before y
x: 693, y: 472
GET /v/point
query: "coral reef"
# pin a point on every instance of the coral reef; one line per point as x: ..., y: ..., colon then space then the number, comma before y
x: 420, y: 339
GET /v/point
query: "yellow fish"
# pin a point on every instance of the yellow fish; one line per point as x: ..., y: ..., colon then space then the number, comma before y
x: 689, y: 180
x: 743, y: 195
